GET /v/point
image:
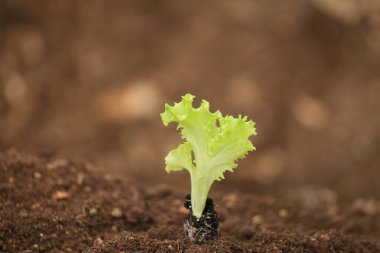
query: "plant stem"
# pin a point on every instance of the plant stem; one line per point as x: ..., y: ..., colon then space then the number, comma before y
x: 199, y: 190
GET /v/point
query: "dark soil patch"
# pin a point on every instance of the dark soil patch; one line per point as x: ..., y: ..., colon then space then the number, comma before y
x: 55, y: 205
x: 204, y: 229
x: 59, y: 205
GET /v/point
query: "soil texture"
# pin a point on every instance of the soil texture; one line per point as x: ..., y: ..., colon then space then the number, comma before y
x: 50, y: 204
x: 205, y: 228
x: 87, y: 80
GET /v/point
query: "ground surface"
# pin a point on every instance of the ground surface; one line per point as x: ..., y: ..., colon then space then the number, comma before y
x: 53, y: 205
x: 86, y: 81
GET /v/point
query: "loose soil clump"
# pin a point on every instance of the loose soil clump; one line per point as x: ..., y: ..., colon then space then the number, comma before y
x: 56, y: 205
x: 204, y: 229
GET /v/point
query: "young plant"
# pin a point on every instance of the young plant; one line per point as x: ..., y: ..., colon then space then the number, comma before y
x: 212, y: 144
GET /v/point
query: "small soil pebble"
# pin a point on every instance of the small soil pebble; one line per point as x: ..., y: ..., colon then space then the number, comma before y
x: 116, y: 212
x: 59, y: 195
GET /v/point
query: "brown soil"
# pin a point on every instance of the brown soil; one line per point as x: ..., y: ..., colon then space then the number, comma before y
x: 88, y: 79
x: 54, y: 205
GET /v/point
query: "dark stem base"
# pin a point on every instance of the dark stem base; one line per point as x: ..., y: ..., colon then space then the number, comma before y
x: 203, y: 229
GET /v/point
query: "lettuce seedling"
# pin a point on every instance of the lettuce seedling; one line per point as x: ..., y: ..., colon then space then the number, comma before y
x: 212, y: 145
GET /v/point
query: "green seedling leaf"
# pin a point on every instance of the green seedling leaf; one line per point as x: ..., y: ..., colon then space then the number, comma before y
x: 215, y: 142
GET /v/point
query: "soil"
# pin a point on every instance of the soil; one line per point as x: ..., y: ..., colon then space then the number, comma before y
x: 205, y: 228
x: 50, y: 204
x: 84, y: 82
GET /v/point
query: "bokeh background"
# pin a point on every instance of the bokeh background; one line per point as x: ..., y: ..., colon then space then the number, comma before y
x: 88, y: 79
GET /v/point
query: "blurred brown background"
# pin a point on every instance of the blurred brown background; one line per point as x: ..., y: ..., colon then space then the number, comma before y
x: 88, y: 79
